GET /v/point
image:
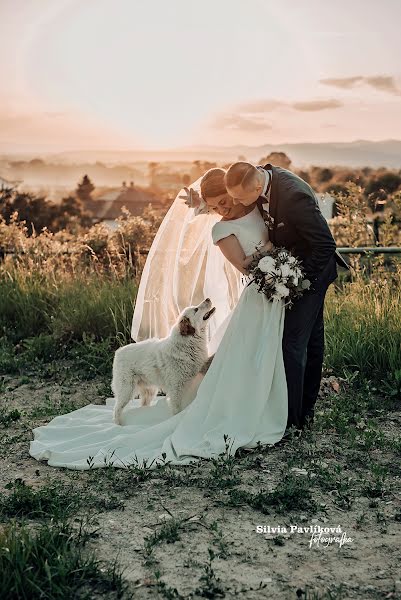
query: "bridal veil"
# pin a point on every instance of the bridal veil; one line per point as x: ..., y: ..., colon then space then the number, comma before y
x: 182, y: 268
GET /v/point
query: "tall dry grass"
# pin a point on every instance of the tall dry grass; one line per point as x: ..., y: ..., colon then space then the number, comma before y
x: 60, y: 289
x: 363, y: 323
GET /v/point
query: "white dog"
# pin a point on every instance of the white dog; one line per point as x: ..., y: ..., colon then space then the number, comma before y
x: 170, y: 364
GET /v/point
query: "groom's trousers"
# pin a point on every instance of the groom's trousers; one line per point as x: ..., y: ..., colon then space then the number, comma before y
x: 303, y: 350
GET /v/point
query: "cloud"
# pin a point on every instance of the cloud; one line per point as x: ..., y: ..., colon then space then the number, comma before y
x: 260, y: 106
x: 342, y: 82
x: 386, y: 84
x: 383, y: 83
x: 240, y: 123
x: 250, y: 116
x: 314, y: 105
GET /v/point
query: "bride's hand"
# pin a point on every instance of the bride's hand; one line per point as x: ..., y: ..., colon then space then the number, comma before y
x: 268, y: 247
x: 192, y: 198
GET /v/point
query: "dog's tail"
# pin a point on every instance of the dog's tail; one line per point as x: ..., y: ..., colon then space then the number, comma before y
x: 206, y: 365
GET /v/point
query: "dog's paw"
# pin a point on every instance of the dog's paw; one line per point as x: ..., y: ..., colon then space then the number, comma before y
x: 174, y: 408
x: 117, y: 419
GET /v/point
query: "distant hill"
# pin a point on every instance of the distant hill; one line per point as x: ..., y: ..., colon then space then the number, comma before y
x: 360, y: 153
x: 353, y: 154
x: 386, y: 153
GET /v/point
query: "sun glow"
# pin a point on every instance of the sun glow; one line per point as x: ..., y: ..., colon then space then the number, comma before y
x: 132, y: 74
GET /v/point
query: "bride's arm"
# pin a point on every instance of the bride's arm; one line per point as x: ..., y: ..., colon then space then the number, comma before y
x: 232, y: 250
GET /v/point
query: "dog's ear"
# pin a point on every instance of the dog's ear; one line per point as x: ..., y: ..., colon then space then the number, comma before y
x: 185, y: 327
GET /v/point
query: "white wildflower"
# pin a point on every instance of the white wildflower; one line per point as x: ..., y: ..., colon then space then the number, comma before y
x: 292, y: 260
x: 283, y: 255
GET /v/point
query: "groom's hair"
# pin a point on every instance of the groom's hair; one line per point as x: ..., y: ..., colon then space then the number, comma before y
x: 241, y: 173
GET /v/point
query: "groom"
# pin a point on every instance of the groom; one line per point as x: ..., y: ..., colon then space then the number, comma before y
x: 290, y: 208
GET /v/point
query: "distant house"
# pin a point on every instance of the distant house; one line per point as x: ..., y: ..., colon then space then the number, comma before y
x: 108, y: 207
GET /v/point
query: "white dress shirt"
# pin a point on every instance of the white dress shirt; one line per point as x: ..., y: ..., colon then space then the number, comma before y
x: 268, y: 175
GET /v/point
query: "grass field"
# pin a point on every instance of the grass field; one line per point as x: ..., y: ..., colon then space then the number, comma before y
x: 44, y: 318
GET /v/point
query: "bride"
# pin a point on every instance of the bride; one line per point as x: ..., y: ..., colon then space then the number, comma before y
x: 243, y: 396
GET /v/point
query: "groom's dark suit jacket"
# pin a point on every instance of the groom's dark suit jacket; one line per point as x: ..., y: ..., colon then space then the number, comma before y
x: 300, y: 226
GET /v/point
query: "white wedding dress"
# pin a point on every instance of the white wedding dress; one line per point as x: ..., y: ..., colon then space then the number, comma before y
x: 243, y: 395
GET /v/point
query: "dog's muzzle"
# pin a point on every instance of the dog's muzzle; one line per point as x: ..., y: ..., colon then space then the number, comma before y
x: 209, y: 313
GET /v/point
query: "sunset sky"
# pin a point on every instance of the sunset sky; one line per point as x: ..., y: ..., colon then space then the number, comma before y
x: 131, y: 74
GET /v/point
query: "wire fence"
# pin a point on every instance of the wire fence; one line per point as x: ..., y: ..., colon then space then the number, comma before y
x: 371, y: 250
x: 345, y: 250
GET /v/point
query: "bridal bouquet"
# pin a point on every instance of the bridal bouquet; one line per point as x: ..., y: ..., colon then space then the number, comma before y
x: 280, y: 276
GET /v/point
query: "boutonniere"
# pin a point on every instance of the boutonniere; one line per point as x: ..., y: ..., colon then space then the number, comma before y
x: 268, y: 219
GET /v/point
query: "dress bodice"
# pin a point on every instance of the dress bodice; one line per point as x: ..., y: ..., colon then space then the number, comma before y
x: 250, y: 230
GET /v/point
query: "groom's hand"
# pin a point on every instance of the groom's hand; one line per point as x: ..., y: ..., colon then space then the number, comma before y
x: 268, y: 247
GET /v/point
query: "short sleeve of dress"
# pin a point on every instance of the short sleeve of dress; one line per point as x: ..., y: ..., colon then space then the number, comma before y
x: 221, y: 230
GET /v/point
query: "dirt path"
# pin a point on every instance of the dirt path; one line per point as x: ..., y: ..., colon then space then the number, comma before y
x: 193, y: 528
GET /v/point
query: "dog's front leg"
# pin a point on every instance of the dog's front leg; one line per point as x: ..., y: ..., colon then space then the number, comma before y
x: 174, y: 399
x: 206, y: 365
x: 174, y: 405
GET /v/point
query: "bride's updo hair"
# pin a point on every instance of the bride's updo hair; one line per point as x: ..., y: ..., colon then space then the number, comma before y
x: 212, y: 183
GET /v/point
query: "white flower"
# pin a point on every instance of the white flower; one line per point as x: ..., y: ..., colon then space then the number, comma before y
x: 282, y: 290
x: 295, y: 280
x: 283, y: 255
x: 285, y: 270
x: 292, y: 260
x: 267, y: 264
